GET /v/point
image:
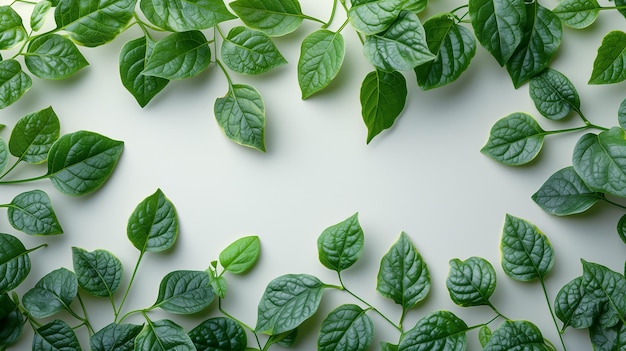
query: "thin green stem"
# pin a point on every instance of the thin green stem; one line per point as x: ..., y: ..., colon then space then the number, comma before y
x: 86, y: 318
x: 17, y: 181
x: 613, y: 203
x: 10, y: 168
x: 219, y: 306
x: 575, y: 129
x: 129, y: 313
x: 332, y: 15
x: 545, y: 294
x: 221, y: 65
x: 117, y: 311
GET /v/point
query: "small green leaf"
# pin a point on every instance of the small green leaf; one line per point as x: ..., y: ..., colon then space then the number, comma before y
x: 383, y: 96
x: 517, y: 335
x: 526, y: 251
x: 52, y: 294
x: 31, y: 212
x: 241, y: 255
x: 341, y: 245
x: 577, y: 14
x: 4, y: 155
x: 416, y: 6
x: 514, y: 140
x: 153, y: 225
x: 438, y: 331
x: 118, y: 337
x: 14, y: 83
x: 56, y: 335
x: 321, y: 57
x: 179, y: 56
x: 609, y: 66
x: 81, y: 162
x: 249, y: 51
x: 274, y: 17
x: 33, y: 136
x: 287, y: 302
x: 38, y: 16
x: 565, y: 193
x: 346, y: 328
x: 180, y: 16
x: 219, y: 286
x: 219, y: 333
x: 241, y: 115
x: 373, y: 16
x: 98, y: 272
x: 185, y: 292
x: 163, y: 335
x: 403, y: 275
x: 484, y: 334
x: 12, y: 30
x: 471, y: 282
x: 53, y: 57
x: 554, y: 94
x: 12, y: 328
x: 14, y: 262
x: 133, y: 57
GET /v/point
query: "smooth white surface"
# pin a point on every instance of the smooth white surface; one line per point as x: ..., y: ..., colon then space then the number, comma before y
x: 425, y: 176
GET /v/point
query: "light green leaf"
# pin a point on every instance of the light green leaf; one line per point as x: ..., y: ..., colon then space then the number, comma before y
x: 179, y: 56
x: 180, y: 15
x: 321, y: 57
x: 219, y: 333
x: 249, y: 51
x: 153, y: 225
x: 609, y: 66
x: 34, y: 134
x: 241, y: 115
x: 526, y: 251
x: 416, y: 6
x: 514, y: 140
x: 98, y: 272
x: 31, y: 212
x: 437, y: 331
x: 373, y: 16
x: 341, y: 245
x: 12, y: 30
x: 577, y: 14
x: 133, y: 58
x: 56, y: 335
x: 185, y: 292
x: 383, y: 96
x: 565, y: 193
x: 471, y: 282
x: 163, y: 335
x: 484, y: 334
x: 14, y: 83
x: 554, y: 94
x: 38, y: 16
x: 52, y: 294
x: 274, y: 17
x: 53, y: 57
x: 118, y: 337
x: 241, y: 255
x: 14, y: 262
x: 347, y: 328
x: 516, y: 335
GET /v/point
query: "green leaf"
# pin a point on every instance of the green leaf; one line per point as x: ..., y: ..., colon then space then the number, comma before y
x: 163, y: 335
x: 285, y: 339
x: 241, y: 115
x: 11, y: 328
x: 514, y: 140
x: 185, y: 292
x: 33, y: 136
x: 516, y: 335
x: 14, y: 262
x: 179, y: 56
x: 153, y: 225
x: 401, y: 47
x: 219, y: 286
x: 385, y: 346
x: 609, y: 66
x: 241, y: 255
x: 219, y: 333
x: 53, y: 57
x: 346, y: 328
x: 526, y: 251
x: 38, y: 16
x: 438, y: 331
x: 471, y: 282
x: 52, y: 294
x: 621, y: 114
x: 321, y: 57
x: 287, y: 302
x: 416, y: 6
x: 608, y: 339
x: 249, y: 51
x: 454, y: 47
x: 373, y: 16
x: 12, y: 30
x: 133, y: 58
x: 31, y: 212
x: 541, y: 41
x: 577, y: 14
x: 565, y: 193
x: 180, y: 16
x: 81, y: 162
x: 93, y: 22
x: 274, y: 17
x: 484, y: 334
x: 554, y: 94
x: 56, y: 335
x: 4, y: 155
x: 99, y: 272
x: 383, y: 96
x: 118, y: 337
x: 14, y: 83
x: 599, y: 160
x: 621, y: 228
x: 574, y: 306
x: 403, y: 275
x: 341, y: 245
x: 498, y: 26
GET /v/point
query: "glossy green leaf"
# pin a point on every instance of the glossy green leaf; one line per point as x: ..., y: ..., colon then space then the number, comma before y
x: 241, y: 115
x: 554, y: 94
x: 373, y: 16
x: 565, y: 193
x: 416, y: 6
x: 621, y: 6
x: 241, y: 255
x: 153, y: 225
x: 321, y: 57
x: 383, y: 96
x: 4, y: 155
x: 179, y: 56
x: 526, y: 251
x: 541, y: 41
x: 52, y: 294
x: 471, y: 282
x: 34, y: 134
x: 219, y: 285
x: 180, y: 15
x: 11, y: 328
x: 98, y: 272
x: 53, y: 57
x: 118, y: 337
x: 285, y: 339
x: 93, y: 22
x: 14, y: 262
x: 574, y: 306
x: 621, y: 228
x: 484, y: 334
x: 56, y: 335
x: 517, y: 335
x: 577, y: 14
x: 288, y: 301
x: 133, y: 58
x: 609, y: 66
x: 608, y: 339
x: 7, y: 305
x: 401, y: 47
x: 163, y: 335
x: 12, y: 29
x: 81, y: 162
x: 31, y: 212
x: 185, y: 292
x: 219, y: 333
x: 621, y: 114
x: 347, y: 328
x: 274, y: 17
x: 14, y: 83
x: 454, y: 47
x: 341, y: 245
x: 250, y: 51
x: 600, y: 161
x: 403, y: 275
x: 38, y: 16
x: 498, y: 26
x: 514, y: 140
x: 437, y: 331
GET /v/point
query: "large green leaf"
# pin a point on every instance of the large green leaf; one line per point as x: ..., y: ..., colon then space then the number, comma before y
x: 347, y: 328
x: 52, y: 293
x: 437, y: 331
x: 163, y: 335
x: 517, y: 335
x: 577, y: 14
x: 179, y: 56
x: 31, y: 212
x: 219, y: 333
x: 153, y: 225
x: 609, y: 66
x: 554, y: 94
x: 373, y: 16
x: 608, y: 339
x: 241, y: 115
x: 383, y: 96
x: 34, y: 134
x: 14, y: 262
x: 98, y: 272
x: 53, y: 57
x: 341, y: 245
x: 274, y: 17
x: 56, y: 335
x: 250, y: 51
x: 133, y: 58
x: 14, y: 83
x: 185, y: 292
x: 565, y: 193
x: 321, y: 57
x: 118, y: 337
x: 12, y: 29
x: 181, y: 15
x: 471, y: 282
x: 514, y: 140
x: 241, y: 255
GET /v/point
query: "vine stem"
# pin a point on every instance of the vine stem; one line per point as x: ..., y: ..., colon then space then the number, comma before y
x: 219, y: 307
x: 545, y: 294
x: 117, y: 311
x: 332, y: 15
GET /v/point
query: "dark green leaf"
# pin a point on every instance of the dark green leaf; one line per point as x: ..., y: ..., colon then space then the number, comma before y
x: 526, y: 251
x: 606, y: 289
x: 6, y: 305
x: 54, y: 336
x: 11, y: 28
x: 514, y: 140
x: 438, y: 331
x: 241, y: 115
x: 621, y: 6
x: 31, y: 212
x: 373, y: 16
x: 99, y: 272
x: 11, y: 328
x: 249, y: 51
x: 14, y: 83
x: 219, y: 333
x: 34, y: 134
x: 608, y: 339
x: 133, y: 57
x: 621, y: 228
x: 53, y: 57
x: 554, y: 94
x: 516, y: 335
x: 341, y: 245
x: 180, y: 15
x: 621, y: 113
x: 14, y: 262
x: 179, y: 56
x: 52, y: 293
x: 118, y: 337
x: 274, y: 17
x: 383, y: 96
x: 4, y: 155
x: 153, y: 225
x: 609, y: 66
x: 185, y: 292
x: 241, y: 255
x: 38, y: 16
x: 565, y: 193
x: 321, y: 58
x: 577, y: 14
x: 346, y: 328
x: 471, y: 282
x: 574, y: 306
x: 163, y: 335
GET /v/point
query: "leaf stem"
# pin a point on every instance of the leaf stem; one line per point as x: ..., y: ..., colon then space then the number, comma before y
x: 613, y: 203
x: 332, y: 15
x: 117, y: 311
x: 545, y: 294
x: 86, y: 319
x: 575, y: 129
x: 219, y: 307
x: 17, y: 181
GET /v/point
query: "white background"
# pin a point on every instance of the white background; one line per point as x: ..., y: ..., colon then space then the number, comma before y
x: 425, y: 176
